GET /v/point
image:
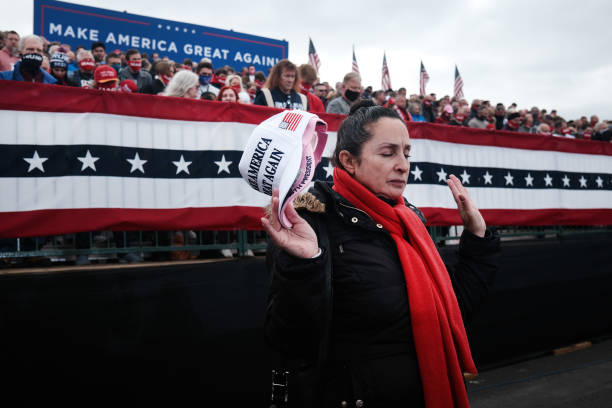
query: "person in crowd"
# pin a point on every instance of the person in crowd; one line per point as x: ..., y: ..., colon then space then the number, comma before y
x: 427, y: 110
x: 251, y: 89
x: 415, y: 112
x: 113, y: 60
x: 29, y: 68
x: 105, y: 78
x: 164, y: 72
x: 205, y: 74
x: 527, y: 124
x: 9, y: 54
x: 227, y: 94
x: 544, y: 129
x: 446, y: 115
x: 400, y: 108
x: 350, y: 92
x: 474, y: 108
x: 500, y: 116
x: 594, y: 121
x: 601, y: 131
x: 461, y: 117
x: 320, y: 91
x: 183, y: 84
x: 234, y: 81
x: 134, y: 70
x: 387, y: 325
x: 84, y: 76
x: 260, y: 80
x: 208, y: 96
x: 98, y: 50
x: 480, y: 120
x: 281, y: 89
x: 59, y: 67
x: 307, y: 76
x: 219, y: 77
x: 514, y: 122
x: 379, y: 97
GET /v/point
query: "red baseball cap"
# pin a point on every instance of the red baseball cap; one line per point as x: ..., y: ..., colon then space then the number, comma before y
x: 105, y: 73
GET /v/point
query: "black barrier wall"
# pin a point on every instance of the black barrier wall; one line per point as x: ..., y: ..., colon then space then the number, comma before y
x: 165, y: 333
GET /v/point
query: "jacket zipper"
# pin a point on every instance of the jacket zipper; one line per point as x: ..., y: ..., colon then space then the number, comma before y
x: 361, y: 211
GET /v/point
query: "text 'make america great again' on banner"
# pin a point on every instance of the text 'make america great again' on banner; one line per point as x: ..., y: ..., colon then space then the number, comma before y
x: 108, y: 160
x: 82, y: 25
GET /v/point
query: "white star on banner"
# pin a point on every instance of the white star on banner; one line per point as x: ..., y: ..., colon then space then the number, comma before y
x: 599, y: 182
x: 136, y: 163
x: 417, y: 173
x: 329, y: 170
x: 488, y: 177
x: 36, y: 162
x: 509, y: 179
x: 441, y: 175
x: 223, y: 165
x: 583, y: 181
x: 548, y: 180
x: 566, y: 181
x: 529, y: 180
x: 465, y: 177
x: 182, y: 165
x: 88, y: 161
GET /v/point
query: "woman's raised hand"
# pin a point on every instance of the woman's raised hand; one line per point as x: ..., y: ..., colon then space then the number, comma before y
x: 470, y: 216
x: 300, y: 241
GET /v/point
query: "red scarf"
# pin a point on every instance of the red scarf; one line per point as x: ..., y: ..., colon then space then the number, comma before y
x: 439, y: 335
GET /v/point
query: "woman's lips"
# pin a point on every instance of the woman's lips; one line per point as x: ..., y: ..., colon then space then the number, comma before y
x: 397, y: 183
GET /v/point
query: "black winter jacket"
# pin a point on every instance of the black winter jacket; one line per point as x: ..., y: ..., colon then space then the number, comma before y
x: 342, y: 320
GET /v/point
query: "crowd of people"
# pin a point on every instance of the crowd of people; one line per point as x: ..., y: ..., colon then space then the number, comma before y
x: 287, y: 86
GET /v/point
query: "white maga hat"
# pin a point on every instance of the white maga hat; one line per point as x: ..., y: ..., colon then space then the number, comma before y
x: 282, y: 153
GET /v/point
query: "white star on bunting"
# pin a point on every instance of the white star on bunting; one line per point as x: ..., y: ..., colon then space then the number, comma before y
x: 509, y: 179
x: 566, y: 181
x: 182, y: 165
x: 223, y: 165
x: 417, y: 173
x: 599, y: 182
x: 548, y: 180
x: 529, y: 180
x: 488, y: 178
x: 583, y: 181
x: 36, y: 162
x: 329, y: 170
x: 137, y: 164
x: 441, y: 175
x: 465, y: 177
x: 88, y: 161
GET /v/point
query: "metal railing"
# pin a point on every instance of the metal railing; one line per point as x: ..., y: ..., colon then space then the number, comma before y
x: 109, y: 246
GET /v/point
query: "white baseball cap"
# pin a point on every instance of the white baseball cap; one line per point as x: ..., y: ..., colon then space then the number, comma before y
x: 282, y: 153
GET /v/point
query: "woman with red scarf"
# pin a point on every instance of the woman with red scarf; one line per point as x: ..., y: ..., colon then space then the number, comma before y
x: 361, y: 307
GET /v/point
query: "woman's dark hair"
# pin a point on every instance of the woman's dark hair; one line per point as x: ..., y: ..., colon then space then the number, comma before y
x: 354, y: 130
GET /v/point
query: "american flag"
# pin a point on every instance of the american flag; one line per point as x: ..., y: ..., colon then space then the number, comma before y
x: 355, y: 66
x: 386, y: 79
x: 313, y: 57
x: 458, y: 84
x: 423, y: 79
x: 291, y: 121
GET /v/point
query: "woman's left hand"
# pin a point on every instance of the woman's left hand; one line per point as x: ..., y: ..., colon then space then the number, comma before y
x: 470, y: 216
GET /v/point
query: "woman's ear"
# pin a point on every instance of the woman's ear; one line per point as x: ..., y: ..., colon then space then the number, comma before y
x: 348, y: 161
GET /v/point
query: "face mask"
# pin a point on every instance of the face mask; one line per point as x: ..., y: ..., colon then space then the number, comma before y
x: 31, y: 62
x: 116, y: 67
x: 165, y: 78
x: 427, y: 103
x: 351, y: 95
x: 259, y: 84
x: 87, y: 64
x: 108, y: 86
x: 459, y: 118
x: 305, y: 87
x: 236, y: 88
x: 135, y: 65
x: 252, y: 92
x: 205, y: 79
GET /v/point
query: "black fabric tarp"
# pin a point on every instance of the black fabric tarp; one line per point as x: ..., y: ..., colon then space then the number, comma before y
x: 196, y: 329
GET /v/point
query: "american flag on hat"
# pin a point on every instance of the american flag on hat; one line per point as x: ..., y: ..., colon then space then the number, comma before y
x: 458, y: 84
x: 355, y: 66
x: 386, y: 78
x: 423, y: 79
x: 313, y: 57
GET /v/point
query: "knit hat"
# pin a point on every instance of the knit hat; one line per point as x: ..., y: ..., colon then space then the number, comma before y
x: 282, y: 153
x: 59, y: 60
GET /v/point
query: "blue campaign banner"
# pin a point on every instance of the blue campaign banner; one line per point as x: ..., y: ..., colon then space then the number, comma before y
x: 76, y: 25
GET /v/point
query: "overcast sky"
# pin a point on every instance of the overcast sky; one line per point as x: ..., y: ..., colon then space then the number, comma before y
x: 552, y: 54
